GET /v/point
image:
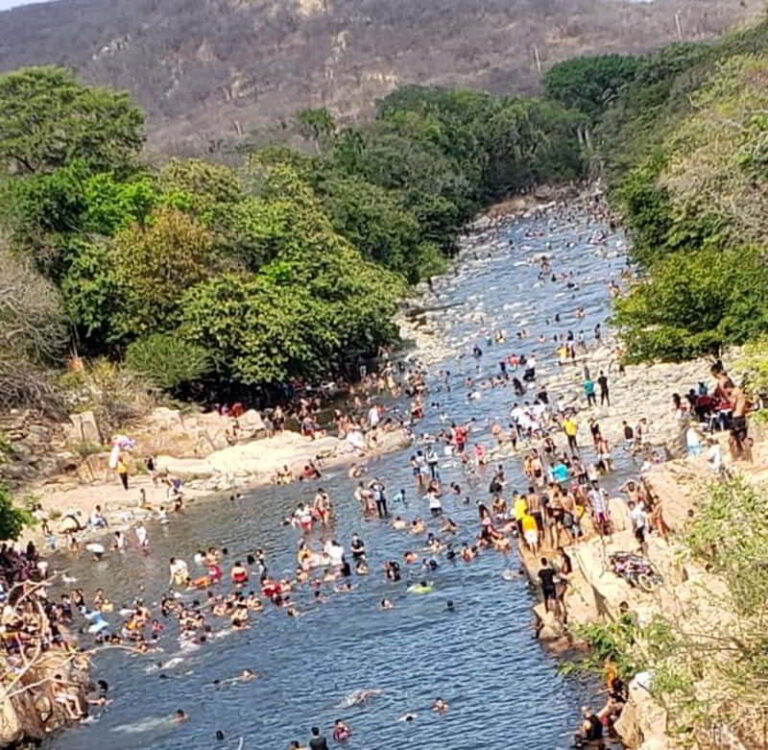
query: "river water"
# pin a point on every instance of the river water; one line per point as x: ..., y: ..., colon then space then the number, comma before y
x: 503, y: 688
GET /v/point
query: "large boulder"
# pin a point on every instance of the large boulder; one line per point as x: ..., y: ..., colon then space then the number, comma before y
x: 83, y: 429
x: 11, y: 730
x: 185, y: 468
x: 252, y: 424
x: 643, y: 722
x: 163, y: 418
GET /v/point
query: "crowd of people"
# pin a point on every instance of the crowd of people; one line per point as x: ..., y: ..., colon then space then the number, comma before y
x: 556, y: 499
x: 38, y: 647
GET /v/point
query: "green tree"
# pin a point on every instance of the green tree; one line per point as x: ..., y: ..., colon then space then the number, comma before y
x: 590, y: 84
x: 48, y: 120
x: 693, y: 303
x: 199, y: 188
x: 261, y: 331
x: 316, y: 125
x: 43, y: 211
x: 530, y: 142
x: 154, y: 265
x: 93, y: 295
x: 376, y: 222
x: 112, y: 204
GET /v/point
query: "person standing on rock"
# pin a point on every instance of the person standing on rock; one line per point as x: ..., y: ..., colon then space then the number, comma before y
x: 580, y: 341
x: 530, y: 532
x: 589, y: 390
x: 639, y: 519
x: 151, y: 464
x: 602, y: 381
x: 547, y: 577
x: 594, y: 429
x: 571, y: 429
x: 737, y: 441
x: 122, y: 472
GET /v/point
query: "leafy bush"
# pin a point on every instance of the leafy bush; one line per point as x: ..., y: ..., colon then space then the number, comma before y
x: 754, y: 364
x: 12, y: 520
x: 166, y: 361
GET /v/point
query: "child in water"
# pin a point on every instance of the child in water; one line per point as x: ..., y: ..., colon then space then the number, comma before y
x: 340, y: 731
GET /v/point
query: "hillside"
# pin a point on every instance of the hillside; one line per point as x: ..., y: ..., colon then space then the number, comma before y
x: 211, y: 69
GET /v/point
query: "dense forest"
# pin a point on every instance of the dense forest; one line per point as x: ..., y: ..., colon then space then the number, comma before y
x: 209, y: 280
x: 205, y: 280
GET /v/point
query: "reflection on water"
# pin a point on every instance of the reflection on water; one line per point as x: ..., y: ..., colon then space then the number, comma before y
x: 503, y: 689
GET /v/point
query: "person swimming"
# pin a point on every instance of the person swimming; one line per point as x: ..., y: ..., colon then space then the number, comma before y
x: 423, y: 587
x: 393, y: 570
x: 439, y: 706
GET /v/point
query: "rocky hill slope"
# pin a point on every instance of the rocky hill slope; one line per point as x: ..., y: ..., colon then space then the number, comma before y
x: 208, y: 71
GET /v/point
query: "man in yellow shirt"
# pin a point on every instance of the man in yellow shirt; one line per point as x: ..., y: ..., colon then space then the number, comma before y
x: 122, y: 472
x: 571, y: 429
x: 530, y: 533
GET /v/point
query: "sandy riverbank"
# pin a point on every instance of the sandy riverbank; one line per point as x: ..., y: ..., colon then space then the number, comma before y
x: 217, y: 475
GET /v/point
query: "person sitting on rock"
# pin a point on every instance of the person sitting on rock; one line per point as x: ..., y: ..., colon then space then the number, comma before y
x: 97, y: 520
x: 591, y: 728
x: 617, y: 698
x: 65, y: 694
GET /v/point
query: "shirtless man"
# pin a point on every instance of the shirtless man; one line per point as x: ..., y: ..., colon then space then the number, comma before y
x: 736, y: 442
x: 538, y: 469
x: 534, y: 508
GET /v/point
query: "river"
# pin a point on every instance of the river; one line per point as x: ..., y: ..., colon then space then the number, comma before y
x: 503, y: 689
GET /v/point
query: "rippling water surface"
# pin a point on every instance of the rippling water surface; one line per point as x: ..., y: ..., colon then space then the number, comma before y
x: 503, y: 689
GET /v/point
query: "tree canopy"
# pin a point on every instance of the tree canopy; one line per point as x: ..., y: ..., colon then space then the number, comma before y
x: 284, y: 266
x: 590, y: 84
x: 48, y: 120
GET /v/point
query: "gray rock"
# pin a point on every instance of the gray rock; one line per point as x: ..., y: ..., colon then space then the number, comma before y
x: 83, y: 428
